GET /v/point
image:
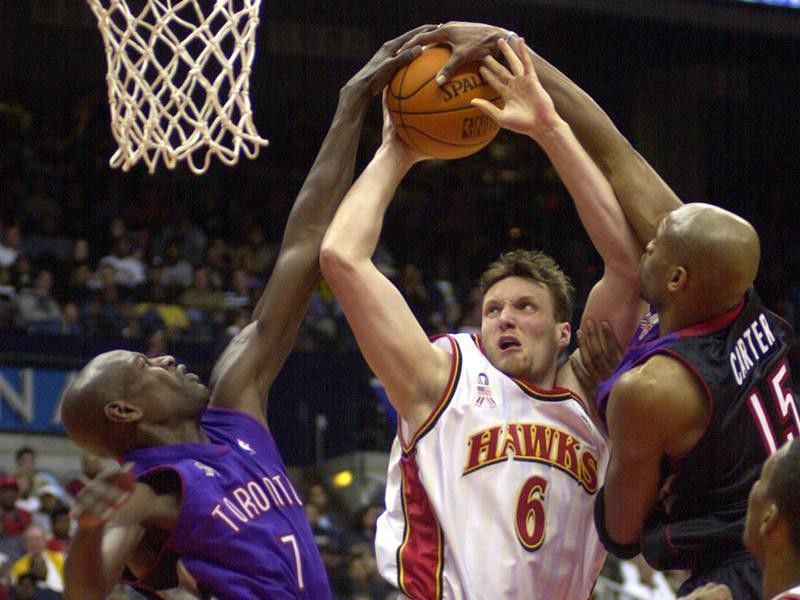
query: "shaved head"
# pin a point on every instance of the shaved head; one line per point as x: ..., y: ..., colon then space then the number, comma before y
x: 104, y: 378
x: 720, y: 251
x: 123, y: 400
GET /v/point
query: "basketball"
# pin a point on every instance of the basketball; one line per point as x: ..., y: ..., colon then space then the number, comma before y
x: 439, y: 120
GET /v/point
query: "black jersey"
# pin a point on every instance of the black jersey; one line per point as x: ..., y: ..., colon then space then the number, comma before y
x: 742, y: 361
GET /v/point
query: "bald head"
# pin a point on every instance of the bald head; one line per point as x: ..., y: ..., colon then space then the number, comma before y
x: 104, y: 378
x: 720, y: 251
x: 123, y: 400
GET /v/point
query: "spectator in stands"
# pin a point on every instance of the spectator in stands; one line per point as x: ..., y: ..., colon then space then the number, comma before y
x: 321, y: 328
x: 364, y: 523
x: 107, y: 311
x: 129, y: 270
x: 31, y: 478
x: 10, y: 244
x: 158, y: 307
x: 205, y: 305
x: 8, y: 294
x: 329, y: 519
x: 176, y: 273
x: 28, y: 588
x: 444, y: 285
x: 257, y: 255
x: 424, y: 301
x: 471, y: 319
x: 219, y: 261
x: 22, y: 272
x: 60, y: 530
x: 47, y: 566
x: 51, y: 499
x: 72, y: 324
x: 14, y: 520
x: 363, y: 575
x: 239, y: 293
x: 37, y: 310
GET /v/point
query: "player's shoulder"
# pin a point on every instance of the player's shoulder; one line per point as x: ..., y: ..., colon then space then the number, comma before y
x: 659, y: 372
x: 655, y: 381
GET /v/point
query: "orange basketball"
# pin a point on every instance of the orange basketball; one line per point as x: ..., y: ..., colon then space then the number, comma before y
x: 439, y: 120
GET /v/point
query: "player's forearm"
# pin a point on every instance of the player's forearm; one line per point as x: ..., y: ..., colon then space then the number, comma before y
x: 594, y: 199
x: 355, y: 230
x: 86, y: 576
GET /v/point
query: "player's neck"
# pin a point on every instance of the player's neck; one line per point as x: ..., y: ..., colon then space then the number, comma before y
x: 781, y: 573
x: 167, y: 434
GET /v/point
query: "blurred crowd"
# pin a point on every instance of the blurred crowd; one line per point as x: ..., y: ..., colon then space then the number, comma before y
x: 89, y: 251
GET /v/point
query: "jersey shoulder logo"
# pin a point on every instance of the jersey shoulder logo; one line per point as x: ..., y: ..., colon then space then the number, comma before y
x: 245, y: 446
x: 209, y: 471
x: 649, y: 321
x: 484, y: 392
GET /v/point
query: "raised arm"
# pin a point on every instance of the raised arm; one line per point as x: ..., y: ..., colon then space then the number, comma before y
x: 244, y: 373
x: 643, y: 194
x: 529, y: 110
x: 412, y: 370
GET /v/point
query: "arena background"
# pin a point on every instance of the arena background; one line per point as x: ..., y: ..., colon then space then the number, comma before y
x: 707, y: 91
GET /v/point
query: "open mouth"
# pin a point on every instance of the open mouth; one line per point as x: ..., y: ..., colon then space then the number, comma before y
x: 508, y: 342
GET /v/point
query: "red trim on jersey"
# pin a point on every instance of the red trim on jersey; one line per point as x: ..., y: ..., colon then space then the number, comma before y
x: 556, y: 393
x: 715, y: 324
x: 444, y: 400
x: 420, y: 557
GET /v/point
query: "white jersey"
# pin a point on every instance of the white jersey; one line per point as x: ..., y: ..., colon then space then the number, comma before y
x: 792, y: 594
x: 493, y: 497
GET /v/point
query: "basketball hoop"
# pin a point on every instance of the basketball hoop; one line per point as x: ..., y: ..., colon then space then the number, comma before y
x: 179, y: 79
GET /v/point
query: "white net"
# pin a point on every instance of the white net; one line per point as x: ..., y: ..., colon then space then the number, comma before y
x: 178, y: 80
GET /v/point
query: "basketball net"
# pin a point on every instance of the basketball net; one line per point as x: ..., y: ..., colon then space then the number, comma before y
x: 179, y: 79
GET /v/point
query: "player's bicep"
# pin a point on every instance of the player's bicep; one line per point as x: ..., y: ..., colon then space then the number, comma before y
x: 634, y: 471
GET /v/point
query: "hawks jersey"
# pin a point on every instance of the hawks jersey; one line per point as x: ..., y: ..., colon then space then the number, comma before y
x: 741, y: 360
x: 242, y: 530
x: 792, y: 594
x: 492, y: 497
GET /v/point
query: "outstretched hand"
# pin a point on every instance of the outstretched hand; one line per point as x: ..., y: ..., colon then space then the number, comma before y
x: 600, y: 354
x: 527, y: 107
x: 390, y: 57
x: 103, y: 496
x: 469, y: 42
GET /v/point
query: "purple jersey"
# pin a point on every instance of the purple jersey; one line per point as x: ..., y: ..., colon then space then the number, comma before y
x: 741, y: 360
x: 242, y: 531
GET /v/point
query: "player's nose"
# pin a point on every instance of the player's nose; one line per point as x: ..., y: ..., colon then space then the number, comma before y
x: 506, y: 317
x: 167, y: 361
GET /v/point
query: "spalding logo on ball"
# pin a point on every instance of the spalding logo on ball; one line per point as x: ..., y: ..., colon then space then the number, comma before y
x: 439, y: 120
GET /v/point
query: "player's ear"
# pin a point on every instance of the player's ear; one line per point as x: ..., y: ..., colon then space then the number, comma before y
x: 678, y: 278
x: 770, y: 518
x: 564, y: 334
x: 121, y: 411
